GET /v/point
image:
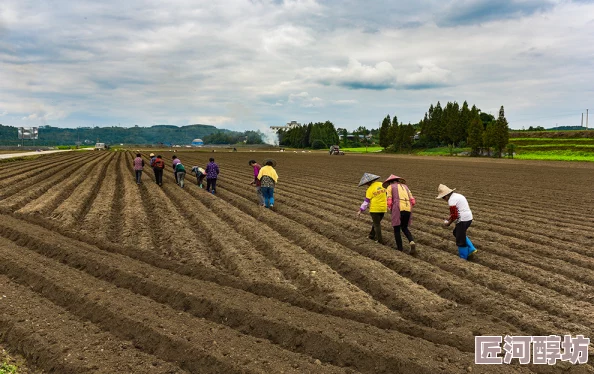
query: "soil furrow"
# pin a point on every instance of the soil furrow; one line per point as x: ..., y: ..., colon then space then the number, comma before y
x: 53, y: 196
x: 74, y: 208
x: 56, y: 341
x: 343, y: 341
x: 154, y: 328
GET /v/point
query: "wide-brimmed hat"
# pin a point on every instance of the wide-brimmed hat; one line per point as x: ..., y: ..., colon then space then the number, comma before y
x: 152, y: 155
x: 391, y: 178
x: 367, y: 177
x: 270, y: 160
x: 443, y: 190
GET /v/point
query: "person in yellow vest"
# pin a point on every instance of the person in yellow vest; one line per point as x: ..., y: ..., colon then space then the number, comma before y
x: 400, y: 203
x: 376, y: 201
x: 268, y: 179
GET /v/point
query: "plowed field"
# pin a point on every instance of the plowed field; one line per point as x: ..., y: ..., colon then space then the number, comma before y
x: 99, y: 274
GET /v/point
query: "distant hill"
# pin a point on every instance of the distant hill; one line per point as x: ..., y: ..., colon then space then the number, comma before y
x: 569, y: 128
x: 165, y: 134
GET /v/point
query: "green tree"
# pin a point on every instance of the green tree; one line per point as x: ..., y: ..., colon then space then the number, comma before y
x: 461, y: 130
x: 475, y: 134
x: 489, y: 137
x: 384, y: 140
x: 501, y: 132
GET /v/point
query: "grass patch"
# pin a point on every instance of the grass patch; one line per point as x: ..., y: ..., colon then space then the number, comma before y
x: 441, y: 151
x: 6, y: 368
x: 362, y: 149
x: 21, y: 158
x: 558, y: 155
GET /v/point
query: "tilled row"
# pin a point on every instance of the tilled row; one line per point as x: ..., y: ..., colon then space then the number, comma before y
x: 28, y: 179
x: 18, y: 172
x: 337, y: 341
x: 194, y: 344
x: 54, y: 340
x: 50, y: 187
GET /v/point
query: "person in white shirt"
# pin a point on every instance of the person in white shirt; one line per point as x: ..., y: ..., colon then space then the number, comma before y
x: 461, y: 215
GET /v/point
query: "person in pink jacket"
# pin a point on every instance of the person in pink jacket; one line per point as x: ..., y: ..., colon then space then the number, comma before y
x: 400, y: 203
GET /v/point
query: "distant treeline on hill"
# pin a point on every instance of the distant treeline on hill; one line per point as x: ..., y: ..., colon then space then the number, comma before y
x: 558, y: 128
x: 159, y: 134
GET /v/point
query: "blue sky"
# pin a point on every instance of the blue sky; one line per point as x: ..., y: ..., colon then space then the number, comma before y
x: 242, y: 64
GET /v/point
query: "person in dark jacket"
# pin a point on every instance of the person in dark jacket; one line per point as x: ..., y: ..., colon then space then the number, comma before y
x: 158, y: 166
x: 212, y: 173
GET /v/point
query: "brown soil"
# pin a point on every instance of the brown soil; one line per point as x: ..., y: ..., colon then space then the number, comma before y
x: 103, y: 275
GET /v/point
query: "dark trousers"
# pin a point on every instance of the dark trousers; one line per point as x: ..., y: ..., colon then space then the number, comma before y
x: 376, y: 228
x: 138, y: 175
x: 176, y: 178
x: 200, y: 179
x: 158, y: 176
x: 404, y: 220
x: 460, y: 232
x: 211, y: 184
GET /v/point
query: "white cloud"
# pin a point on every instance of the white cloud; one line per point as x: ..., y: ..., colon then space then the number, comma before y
x: 245, y: 64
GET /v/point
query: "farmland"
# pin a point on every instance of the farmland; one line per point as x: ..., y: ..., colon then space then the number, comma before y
x: 98, y: 274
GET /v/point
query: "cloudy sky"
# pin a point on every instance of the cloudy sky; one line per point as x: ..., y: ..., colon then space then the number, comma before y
x: 249, y: 64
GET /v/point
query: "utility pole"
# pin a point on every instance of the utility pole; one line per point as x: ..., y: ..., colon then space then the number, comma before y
x: 586, y: 119
x: 582, y: 124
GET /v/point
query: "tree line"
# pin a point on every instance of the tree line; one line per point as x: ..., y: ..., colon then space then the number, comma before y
x: 313, y: 135
x: 449, y: 126
x: 234, y: 137
x: 159, y: 134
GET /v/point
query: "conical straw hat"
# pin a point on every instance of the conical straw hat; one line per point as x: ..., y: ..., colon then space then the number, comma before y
x: 391, y: 178
x: 443, y: 190
x: 367, y: 177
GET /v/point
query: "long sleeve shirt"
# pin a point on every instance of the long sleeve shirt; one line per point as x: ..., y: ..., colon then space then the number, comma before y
x: 257, y: 168
x: 212, y: 170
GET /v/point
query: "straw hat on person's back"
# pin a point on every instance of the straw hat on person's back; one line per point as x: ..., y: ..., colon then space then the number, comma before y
x: 368, y: 177
x: 443, y: 190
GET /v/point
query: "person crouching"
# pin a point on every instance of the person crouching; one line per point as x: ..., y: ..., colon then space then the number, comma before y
x: 376, y: 201
x: 400, y: 203
x: 461, y: 215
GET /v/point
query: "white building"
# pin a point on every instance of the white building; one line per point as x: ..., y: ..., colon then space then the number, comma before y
x: 288, y: 126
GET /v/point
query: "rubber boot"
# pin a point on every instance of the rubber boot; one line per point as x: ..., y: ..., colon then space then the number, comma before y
x: 470, y: 246
x: 463, y: 252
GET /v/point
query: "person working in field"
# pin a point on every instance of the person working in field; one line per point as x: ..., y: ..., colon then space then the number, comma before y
x: 158, y: 166
x: 138, y: 166
x: 461, y: 215
x: 400, y: 203
x: 151, y: 164
x: 180, y: 172
x: 212, y: 173
x: 376, y: 201
x: 173, y: 165
x: 268, y: 179
x: 256, y: 182
x: 200, y: 174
